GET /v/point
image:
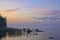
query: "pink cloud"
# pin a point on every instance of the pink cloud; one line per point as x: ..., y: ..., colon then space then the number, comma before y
x: 46, y: 15
x: 47, y: 11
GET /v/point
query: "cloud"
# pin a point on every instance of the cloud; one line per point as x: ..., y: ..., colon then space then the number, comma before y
x: 48, y: 19
x: 46, y: 12
x: 11, y: 10
x: 47, y: 15
x: 34, y: 14
x: 53, y: 12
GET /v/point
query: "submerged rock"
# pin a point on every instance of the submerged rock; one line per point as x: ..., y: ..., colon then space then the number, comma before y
x: 50, y: 37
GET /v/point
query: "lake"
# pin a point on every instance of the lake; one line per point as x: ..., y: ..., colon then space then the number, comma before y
x: 40, y: 36
x: 48, y: 32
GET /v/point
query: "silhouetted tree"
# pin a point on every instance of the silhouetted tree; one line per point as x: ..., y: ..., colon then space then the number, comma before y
x: 3, y: 22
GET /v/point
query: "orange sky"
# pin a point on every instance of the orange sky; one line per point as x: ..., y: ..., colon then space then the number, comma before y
x: 17, y: 18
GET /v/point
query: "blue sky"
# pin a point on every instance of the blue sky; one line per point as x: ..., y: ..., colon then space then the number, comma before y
x: 54, y: 4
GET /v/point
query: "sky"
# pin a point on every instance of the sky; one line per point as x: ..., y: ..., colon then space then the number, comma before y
x: 30, y: 12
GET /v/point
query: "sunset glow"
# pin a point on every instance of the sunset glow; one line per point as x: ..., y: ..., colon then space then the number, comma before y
x: 29, y: 11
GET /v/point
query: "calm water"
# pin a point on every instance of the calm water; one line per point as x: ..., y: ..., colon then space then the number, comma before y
x: 40, y: 36
x: 48, y: 32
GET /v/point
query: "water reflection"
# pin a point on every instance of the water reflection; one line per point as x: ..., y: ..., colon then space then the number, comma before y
x: 17, y: 33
